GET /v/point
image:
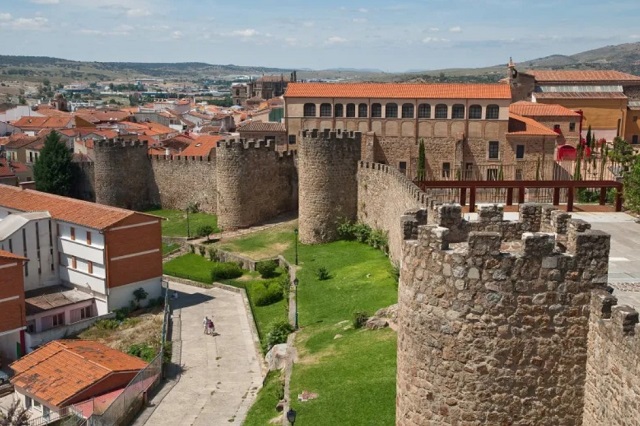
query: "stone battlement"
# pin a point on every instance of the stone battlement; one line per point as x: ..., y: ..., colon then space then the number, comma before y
x: 334, y: 135
x: 620, y: 321
x: 119, y: 142
x: 181, y: 158
x: 409, y: 187
x: 252, y: 144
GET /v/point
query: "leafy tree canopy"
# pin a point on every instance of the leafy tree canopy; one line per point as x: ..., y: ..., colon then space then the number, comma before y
x: 53, y: 170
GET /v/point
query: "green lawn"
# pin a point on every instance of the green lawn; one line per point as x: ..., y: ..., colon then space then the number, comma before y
x: 190, y: 266
x: 176, y: 223
x: 168, y: 248
x: 263, y: 408
x: 264, y: 244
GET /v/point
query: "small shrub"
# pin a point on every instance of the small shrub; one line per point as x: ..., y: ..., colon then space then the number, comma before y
x: 225, y: 271
x: 268, y: 294
x: 267, y: 269
x: 205, y: 231
x: 139, y: 295
x: 360, y: 319
x: 142, y: 351
x: 122, y: 314
x: 278, y: 333
x: 107, y: 324
x: 323, y: 273
x: 202, y: 250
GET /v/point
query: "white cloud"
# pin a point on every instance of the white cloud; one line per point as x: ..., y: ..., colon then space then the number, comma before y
x: 434, y: 29
x: 45, y: 1
x: 5, y: 17
x: 176, y: 35
x: 36, y: 23
x: 249, y: 32
x: 455, y: 29
x: 359, y: 20
x: 634, y: 36
x: 363, y: 10
x: 137, y: 13
x: 427, y: 40
x: 336, y: 40
x: 120, y: 30
x: 291, y: 41
x: 308, y: 24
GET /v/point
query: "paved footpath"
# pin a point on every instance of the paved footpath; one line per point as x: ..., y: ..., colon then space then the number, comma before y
x: 221, y: 374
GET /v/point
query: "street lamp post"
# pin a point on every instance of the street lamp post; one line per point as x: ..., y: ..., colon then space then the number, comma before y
x: 188, y: 230
x: 295, y: 285
x: 295, y: 231
x: 291, y: 416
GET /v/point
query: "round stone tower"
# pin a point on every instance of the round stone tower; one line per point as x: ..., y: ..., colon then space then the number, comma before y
x: 123, y: 175
x: 328, y: 189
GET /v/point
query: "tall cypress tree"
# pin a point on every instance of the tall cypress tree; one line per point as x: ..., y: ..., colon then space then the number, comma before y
x: 53, y: 169
x: 421, y: 161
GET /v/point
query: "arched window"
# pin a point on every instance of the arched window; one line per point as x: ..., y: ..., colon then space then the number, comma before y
x: 424, y: 111
x: 362, y: 110
x: 475, y: 112
x: 338, y: 110
x: 376, y: 110
x: 457, y: 111
x: 325, y: 110
x: 493, y: 112
x: 309, y: 110
x: 391, y: 110
x: 351, y: 110
x: 442, y: 111
x: 407, y: 111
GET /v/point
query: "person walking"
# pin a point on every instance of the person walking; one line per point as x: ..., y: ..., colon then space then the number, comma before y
x: 211, y: 327
x: 205, y: 324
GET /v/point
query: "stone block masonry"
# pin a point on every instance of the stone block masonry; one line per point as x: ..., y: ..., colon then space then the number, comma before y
x: 612, y: 386
x: 385, y: 194
x: 328, y: 165
x: 255, y: 183
x: 493, y: 319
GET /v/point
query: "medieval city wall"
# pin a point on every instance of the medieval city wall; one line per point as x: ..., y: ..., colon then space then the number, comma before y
x: 328, y: 165
x: 83, y: 184
x: 613, y: 363
x: 384, y: 195
x: 254, y: 182
x: 185, y: 180
x: 493, y: 318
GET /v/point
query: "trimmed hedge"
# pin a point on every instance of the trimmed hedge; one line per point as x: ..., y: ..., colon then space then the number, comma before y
x: 225, y: 271
x: 268, y: 293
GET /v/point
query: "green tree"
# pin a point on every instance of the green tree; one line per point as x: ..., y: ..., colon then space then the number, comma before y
x: 632, y: 187
x: 16, y: 415
x: 205, y: 231
x: 421, y: 161
x: 53, y: 171
x: 621, y: 153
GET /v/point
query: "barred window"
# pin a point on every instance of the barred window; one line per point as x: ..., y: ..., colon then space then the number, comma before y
x: 457, y: 111
x: 442, y: 111
x: 391, y: 110
x: 407, y: 111
x: 338, y: 110
x: 475, y: 112
x: 493, y: 112
x: 309, y: 110
x: 363, y: 110
x: 376, y: 110
x: 351, y: 110
x: 325, y: 110
x: 424, y: 111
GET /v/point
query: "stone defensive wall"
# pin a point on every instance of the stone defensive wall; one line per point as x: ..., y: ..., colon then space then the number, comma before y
x: 123, y: 175
x: 254, y: 182
x: 385, y: 194
x: 328, y: 165
x: 493, y: 317
x: 182, y: 180
x: 613, y: 364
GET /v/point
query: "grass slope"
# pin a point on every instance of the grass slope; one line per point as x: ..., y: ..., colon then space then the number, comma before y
x: 176, y: 223
x: 265, y: 244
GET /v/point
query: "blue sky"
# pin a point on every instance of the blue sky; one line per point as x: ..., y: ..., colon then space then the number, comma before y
x: 391, y: 36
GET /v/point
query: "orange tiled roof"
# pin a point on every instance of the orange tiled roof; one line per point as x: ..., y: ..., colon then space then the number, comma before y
x: 524, y: 126
x: 84, y: 213
x: 398, y: 91
x: 259, y: 126
x: 9, y: 255
x: 202, y: 146
x: 541, y: 110
x: 59, y: 370
x: 43, y: 122
x: 595, y: 76
x: 579, y: 95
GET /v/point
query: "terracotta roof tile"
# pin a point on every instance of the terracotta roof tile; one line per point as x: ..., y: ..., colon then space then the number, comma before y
x: 579, y: 95
x: 202, y: 146
x: 525, y: 126
x: 259, y: 126
x: 398, y: 91
x: 59, y: 370
x: 595, y: 76
x: 84, y: 213
x: 541, y: 110
x: 9, y: 255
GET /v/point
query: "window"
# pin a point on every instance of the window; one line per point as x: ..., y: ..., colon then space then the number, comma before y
x: 57, y: 229
x: 85, y: 312
x: 37, y: 405
x: 45, y: 412
x: 572, y: 127
x: 475, y: 112
x: 376, y: 110
x: 309, y: 110
x: 73, y: 233
x: 50, y: 235
x: 88, y: 238
x: 494, y: 150
x: 492, y: 174
x: 27, y: 402
x: 634, y: 139
x: 519, y: 152
x: 468, y: 170
x: 391, y: 110
x: 446, y: 170
x: 424, y: 111
x: 402, y: 166
x: 457, y: 111
x: 292, y: 139
x: 338, y: 110
x: 351, y: 110
x: 325, y: 110
x: 407, y: 111
x: 518, y: 174
x: 90, y: 267
x: 362, y: 110
x: 74, y: 262
x: 58, y: 319
x: 493, y: 112
x: 556, y: 128
x: 441, y: 111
